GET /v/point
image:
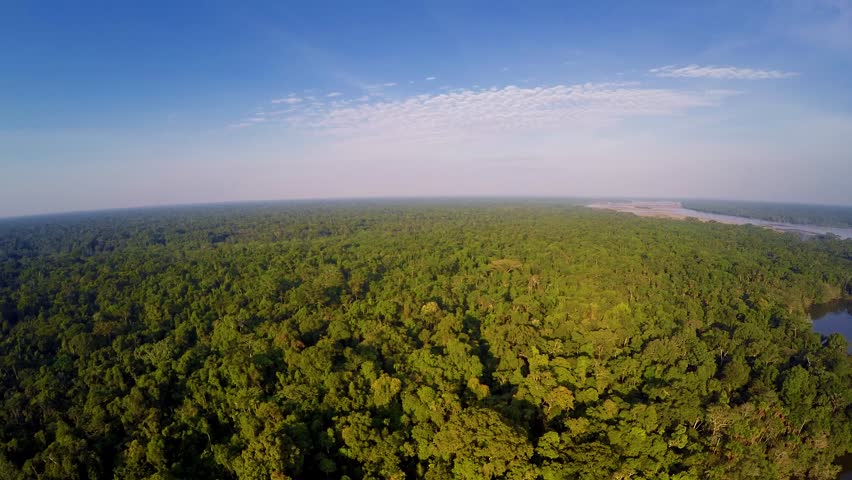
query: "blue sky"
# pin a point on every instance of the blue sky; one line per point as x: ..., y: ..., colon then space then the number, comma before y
x: 120, y: 104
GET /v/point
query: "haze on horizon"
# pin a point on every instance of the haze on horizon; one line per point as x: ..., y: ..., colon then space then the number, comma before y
x: 111, y: 105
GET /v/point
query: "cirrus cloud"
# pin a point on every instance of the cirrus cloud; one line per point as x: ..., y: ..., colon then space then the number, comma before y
x: 470, y: 113
x: 719, y: 72
x: 288, y: 100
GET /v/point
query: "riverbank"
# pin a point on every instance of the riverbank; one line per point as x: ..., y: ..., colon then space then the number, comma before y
x: 676, y: 211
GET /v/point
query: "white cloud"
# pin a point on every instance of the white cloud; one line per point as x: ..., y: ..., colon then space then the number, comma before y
x: 429, y: 79
x: 334, y: 94
x: 377, y: 89
x: 719, y: 72
x: 287, y: 100
x: 466, y: 113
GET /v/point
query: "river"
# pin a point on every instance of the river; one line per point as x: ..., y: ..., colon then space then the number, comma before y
x: 677, y: 211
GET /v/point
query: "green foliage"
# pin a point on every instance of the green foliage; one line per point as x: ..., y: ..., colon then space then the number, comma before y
x: 523, y: 340
x: 479, y: 444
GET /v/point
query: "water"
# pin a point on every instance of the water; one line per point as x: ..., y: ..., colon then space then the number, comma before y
x: 676, y: 210
x: 834, y: 317
x: 781, y: 227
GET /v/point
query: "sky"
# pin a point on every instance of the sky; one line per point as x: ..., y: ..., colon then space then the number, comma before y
x: 124, y: 104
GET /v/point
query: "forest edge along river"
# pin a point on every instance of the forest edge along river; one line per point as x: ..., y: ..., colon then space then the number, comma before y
x: 675, y: 210
x: 834, y: 317
x: 828, y: 318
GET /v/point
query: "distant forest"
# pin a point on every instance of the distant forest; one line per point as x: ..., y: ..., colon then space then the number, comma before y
x: 825, y: 215
x: 365, y: 341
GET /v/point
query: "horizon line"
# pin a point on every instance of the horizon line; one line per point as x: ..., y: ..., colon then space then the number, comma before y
x: 405, y: 198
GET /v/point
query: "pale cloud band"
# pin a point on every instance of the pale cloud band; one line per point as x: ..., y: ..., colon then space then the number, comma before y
x: 719, y: 72
x: 469, y: 114
x: 288, y: 100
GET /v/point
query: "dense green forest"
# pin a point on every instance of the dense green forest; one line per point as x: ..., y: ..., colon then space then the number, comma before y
x: 342, y: 340
x: 826, y: 215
